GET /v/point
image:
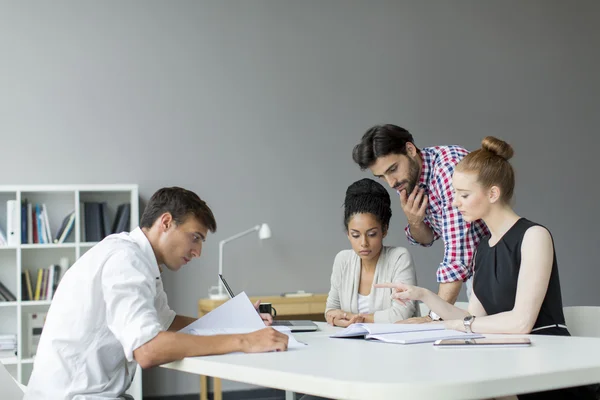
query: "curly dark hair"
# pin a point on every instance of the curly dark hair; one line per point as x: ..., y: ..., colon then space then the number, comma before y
x: 368, y: 196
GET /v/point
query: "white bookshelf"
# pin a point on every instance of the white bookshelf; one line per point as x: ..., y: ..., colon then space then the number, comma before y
x: 60, y: 200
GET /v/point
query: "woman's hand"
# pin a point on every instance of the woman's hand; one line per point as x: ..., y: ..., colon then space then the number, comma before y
x: 334, y: 314
x: 343, y: 319
x: 403, y: 292
x: 348, y: 320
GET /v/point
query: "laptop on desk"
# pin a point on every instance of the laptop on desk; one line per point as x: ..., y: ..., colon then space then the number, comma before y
x: 294, y: 325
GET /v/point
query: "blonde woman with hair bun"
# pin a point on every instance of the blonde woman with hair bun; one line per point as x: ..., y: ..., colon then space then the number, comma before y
x: 516, y: 287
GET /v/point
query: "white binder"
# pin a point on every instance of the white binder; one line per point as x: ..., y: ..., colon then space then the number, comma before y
x: 13, y: 223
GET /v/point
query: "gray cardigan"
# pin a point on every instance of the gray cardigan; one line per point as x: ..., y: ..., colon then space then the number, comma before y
x: 394, y: 265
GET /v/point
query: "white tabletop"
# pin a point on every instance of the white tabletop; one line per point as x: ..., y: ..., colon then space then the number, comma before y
x: 360, y: 369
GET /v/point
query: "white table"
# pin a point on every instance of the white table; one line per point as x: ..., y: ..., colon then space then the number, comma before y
x: 359, y: 369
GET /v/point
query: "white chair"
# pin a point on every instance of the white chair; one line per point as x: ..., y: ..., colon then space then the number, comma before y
x: 11, y: 389
x: 583, y: 320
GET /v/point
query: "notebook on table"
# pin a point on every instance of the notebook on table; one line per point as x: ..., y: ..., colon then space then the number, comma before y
x: 403, y: 333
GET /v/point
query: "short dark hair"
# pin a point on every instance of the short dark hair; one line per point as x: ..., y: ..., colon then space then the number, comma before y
x: 379, y: 141
x: 367, y: 196
x: 181, y: 204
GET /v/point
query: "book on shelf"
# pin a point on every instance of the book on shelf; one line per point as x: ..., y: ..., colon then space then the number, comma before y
x: 35, y: 225
x: 65, y: 228
x: 46, y: 283
x: 3, y: 241
x: 6, y: 294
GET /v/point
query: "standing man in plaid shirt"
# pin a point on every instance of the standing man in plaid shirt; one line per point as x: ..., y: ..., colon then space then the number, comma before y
x: 423, y: 179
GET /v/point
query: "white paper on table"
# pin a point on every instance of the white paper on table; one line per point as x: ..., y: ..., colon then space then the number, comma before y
x: 235, y: 316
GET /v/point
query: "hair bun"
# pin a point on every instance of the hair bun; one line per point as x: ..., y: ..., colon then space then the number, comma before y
x: 368, y: 187
x: 498, y: 147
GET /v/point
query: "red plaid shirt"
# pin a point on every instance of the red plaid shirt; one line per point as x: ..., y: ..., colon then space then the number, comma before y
x: 460, y: 237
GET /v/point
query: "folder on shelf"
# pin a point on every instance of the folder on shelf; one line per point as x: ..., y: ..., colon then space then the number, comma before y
x: 105, y: 220
x: 121, y: 223
x: 24, y: 222
x: 12, y: 222
x: 93, y: 221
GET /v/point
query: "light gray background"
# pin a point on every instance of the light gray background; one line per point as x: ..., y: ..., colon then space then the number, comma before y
x: 256, y: 105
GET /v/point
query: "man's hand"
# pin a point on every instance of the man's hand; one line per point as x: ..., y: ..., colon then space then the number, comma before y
x: 267, y: 318
x: 267, y: 339
x: 414, y: 205
x: 416, y: 320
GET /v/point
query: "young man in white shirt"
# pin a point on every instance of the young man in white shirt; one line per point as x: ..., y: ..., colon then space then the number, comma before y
x: 110, y: 311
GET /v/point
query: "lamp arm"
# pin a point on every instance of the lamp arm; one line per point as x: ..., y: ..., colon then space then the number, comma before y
x: 222, y: 244
x: 239, y: 235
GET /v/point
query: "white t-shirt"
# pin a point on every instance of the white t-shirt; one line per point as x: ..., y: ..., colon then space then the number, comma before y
x: 363, y: 304
x: 109, y: 303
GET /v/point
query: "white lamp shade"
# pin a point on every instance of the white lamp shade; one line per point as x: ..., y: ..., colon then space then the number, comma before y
x: 264, y: 232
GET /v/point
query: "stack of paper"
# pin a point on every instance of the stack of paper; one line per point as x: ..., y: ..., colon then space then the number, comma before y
x: 403, y: 333
x: 235, y: 316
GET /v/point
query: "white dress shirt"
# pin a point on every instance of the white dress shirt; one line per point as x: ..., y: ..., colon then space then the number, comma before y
x: 109, y: 303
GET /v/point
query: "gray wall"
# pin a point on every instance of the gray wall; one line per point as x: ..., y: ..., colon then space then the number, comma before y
x: 256, y: 105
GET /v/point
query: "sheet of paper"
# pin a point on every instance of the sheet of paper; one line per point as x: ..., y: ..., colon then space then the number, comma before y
x: 235, y: 316
x: 423, y: 336
x: 374, y: 329
x: 238, y: 312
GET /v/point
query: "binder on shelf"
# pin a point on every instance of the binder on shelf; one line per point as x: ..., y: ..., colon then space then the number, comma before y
x: 24, y: 222
x: 105, y: 220
x: 12, y: 222
x: 93, y: 221
x: 121, y: 223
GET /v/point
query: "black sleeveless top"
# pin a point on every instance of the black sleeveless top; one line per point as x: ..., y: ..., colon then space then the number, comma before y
x: 496, y: 274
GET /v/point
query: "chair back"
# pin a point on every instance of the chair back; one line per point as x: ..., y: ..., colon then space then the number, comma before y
x: 583, y: 320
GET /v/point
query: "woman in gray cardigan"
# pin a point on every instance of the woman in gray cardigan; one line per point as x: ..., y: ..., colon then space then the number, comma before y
x: 351, y: 299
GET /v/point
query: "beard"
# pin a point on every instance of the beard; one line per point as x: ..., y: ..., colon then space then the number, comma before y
x: 413, y: 177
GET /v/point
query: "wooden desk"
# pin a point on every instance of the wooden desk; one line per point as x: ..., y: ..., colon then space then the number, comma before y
x: 308, y: 307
